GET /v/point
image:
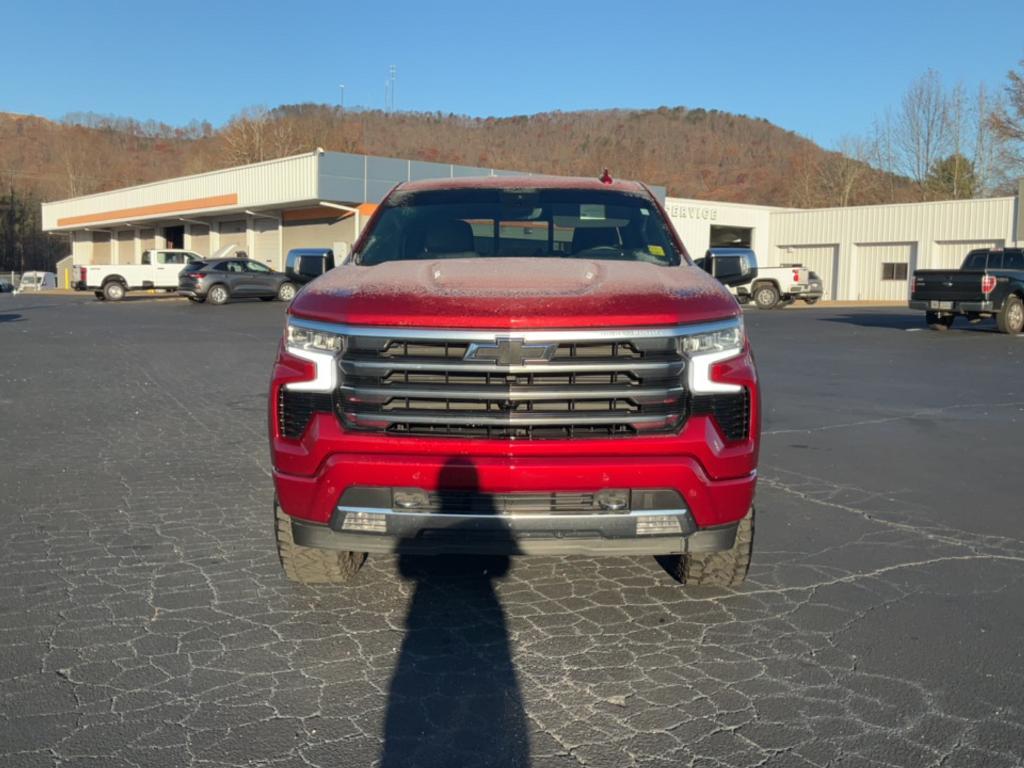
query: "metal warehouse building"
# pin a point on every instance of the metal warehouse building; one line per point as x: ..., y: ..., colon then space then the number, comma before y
x: 265, y: 209
x: 322, y: 198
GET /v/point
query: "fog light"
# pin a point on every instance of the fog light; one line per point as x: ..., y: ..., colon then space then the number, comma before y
x: 410, y: 498
x: 648, y: 525
x: 374, y: 522
x: 613, y: 500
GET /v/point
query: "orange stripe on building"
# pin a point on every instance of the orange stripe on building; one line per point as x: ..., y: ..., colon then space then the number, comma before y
x: 218, y: 201
x: 324, y: 212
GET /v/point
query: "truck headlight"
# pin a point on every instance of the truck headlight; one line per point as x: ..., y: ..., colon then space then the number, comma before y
x: 298, y: 337
x: 706, y: 348
x: 730, y: 337
x: 320, y: 348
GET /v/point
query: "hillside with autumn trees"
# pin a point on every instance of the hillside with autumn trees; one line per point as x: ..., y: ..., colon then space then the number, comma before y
x: 691, y: 152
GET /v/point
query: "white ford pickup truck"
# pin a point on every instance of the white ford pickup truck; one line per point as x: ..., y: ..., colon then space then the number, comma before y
x: 157, y: 270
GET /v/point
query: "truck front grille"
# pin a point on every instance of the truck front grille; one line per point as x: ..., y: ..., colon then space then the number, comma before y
x: 508, y: 386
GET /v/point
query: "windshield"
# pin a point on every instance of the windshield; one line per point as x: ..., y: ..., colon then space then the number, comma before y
x: 483, y: 223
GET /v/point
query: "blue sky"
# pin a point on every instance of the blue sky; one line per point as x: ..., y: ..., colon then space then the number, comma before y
x: 822, y: 69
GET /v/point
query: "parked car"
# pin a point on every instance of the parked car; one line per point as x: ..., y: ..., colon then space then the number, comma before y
x: 303, y: 265
x: 157, y: 269
x: 37, y: 281
x: 767, y: 287
x: 221, y: 280
x: 989, y: 283
x: 516, y: 366
x: 6, y: 287
x: 815, y: 288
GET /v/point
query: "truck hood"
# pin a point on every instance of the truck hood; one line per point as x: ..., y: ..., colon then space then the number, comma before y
x: 511, y: 293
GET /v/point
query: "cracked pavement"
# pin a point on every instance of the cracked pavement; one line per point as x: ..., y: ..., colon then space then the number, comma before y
x: 144, y: 620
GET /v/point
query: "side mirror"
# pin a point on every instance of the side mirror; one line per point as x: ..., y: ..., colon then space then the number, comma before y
x: 734, y: 270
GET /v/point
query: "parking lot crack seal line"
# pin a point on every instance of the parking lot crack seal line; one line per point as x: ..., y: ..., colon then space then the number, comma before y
x: 937, y: 411
x: 953, y: 537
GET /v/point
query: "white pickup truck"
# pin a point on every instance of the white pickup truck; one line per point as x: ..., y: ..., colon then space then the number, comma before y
x: 156, y: 270
x: 767, y: 287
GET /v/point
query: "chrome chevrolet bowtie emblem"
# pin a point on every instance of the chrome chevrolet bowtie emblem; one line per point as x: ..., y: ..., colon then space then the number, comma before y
x: 510, y: 351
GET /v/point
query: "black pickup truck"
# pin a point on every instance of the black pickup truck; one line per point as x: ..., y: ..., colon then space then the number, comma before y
x: 990, y: 283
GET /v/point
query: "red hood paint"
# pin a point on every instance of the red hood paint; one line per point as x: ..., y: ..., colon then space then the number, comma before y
x: 514, y: 293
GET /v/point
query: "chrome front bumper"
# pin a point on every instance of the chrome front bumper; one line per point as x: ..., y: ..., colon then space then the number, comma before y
x: 505, y: 528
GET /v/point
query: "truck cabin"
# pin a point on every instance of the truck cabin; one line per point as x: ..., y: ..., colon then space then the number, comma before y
x: 1011, y: 258
x: 169, y: 257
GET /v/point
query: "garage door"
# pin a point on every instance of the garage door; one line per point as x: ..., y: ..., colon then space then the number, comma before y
x: 949, y: 254
x: 883, y: 270
x: 125, y: 247
x: 822, y: 259
x: 199, y: 238
x: 265, y: 243
x: 233, y: 233
x: 101, y: 248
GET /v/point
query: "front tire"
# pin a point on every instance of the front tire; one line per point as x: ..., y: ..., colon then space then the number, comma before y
x: 719, y: 569
x: 938, y: 322
x: 286, y: 292
x: 308, y: 565
x: 218, y: 294
x: 1011, y: 317
x: 766, y: 296
x: 113, y: 291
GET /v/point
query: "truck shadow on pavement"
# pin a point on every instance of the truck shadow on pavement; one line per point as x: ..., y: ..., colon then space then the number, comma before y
x: 905, y: 322
x: 454, y: 698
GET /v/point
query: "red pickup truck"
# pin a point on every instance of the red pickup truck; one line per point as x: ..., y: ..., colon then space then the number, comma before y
x: 516, y: 366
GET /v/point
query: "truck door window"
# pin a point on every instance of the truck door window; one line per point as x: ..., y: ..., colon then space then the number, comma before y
x: 977, y: 260
x: 995, y: 261
x: 1014, y: 260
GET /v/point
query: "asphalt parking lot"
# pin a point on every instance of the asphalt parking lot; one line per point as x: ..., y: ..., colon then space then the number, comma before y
x: 144, y: 621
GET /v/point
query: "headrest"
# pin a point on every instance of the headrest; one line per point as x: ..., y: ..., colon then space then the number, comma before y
x: 449, y: 237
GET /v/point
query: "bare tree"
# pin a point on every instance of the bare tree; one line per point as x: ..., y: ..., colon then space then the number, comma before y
x: 1007, y: 123
x: 254, y: 135
x: 845, y: 174
x: 921, y: 129
x: 987, y: 144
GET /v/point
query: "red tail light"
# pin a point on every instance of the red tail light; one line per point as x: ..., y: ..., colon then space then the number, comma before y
x: 198, y: 275
x: 988, y: 283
